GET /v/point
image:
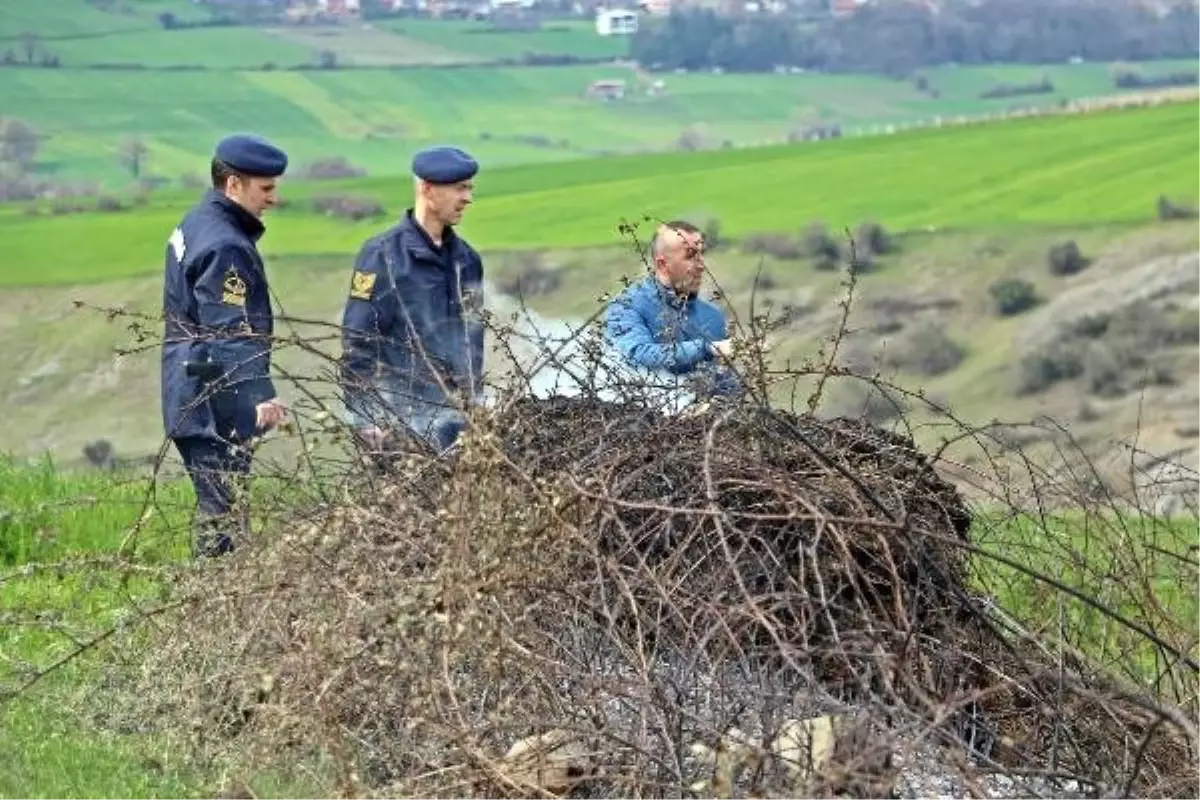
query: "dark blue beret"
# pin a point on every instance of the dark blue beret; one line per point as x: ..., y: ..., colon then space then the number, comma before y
x: 252, y: 155
x: 444, y: 165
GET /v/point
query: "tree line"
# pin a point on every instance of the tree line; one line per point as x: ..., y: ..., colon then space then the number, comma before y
x: 896, y: 38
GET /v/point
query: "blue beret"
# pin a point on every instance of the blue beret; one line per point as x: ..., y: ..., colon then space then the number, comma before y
x: 444, y: 165
x: 252, y: 155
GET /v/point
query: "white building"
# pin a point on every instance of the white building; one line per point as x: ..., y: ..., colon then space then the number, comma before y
x: 617, y: 22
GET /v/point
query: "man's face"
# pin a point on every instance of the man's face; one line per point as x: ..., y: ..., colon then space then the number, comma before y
x: 448, y: 201
x: 682, y: 261
x: 255, y: 195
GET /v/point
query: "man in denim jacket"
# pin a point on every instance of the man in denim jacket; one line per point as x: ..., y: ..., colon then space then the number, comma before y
x: 661, y: 324
x: 412, y: 327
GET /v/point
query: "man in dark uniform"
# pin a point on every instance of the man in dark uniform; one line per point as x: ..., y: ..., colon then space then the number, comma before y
x: 412, y: 330
x: 217, y: 392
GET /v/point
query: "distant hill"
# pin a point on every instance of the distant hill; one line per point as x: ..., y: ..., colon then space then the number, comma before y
x: 968, y: 207
x: 1102, y: 167
x: 91, y: 85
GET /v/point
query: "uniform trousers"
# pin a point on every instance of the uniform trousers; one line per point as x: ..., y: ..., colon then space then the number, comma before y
x: 218, y: 469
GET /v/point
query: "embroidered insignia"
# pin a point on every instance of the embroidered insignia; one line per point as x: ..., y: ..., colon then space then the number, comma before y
x: 362, y: 284
x: 234, y: 288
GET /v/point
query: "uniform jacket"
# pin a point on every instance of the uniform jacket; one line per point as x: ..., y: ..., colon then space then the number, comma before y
x: 216, y: 355
x: 412, y: 330
x: 653, y: 328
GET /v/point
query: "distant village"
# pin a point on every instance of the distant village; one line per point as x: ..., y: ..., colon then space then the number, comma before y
x: 612, y: 18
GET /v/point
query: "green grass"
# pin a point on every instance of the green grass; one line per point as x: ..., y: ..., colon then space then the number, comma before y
x: 48, y: 515
x: 62, y: 736
x: 74, y: 18
x: 212, y: 48
x: 378, y: 117
x: 1089, y: 169
x: 479, y: 42
x: 81, y: 33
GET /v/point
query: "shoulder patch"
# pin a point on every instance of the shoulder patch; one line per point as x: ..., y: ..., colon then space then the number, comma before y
x: 233, y: 288
x: 177, y: 243
x: 362, y: 285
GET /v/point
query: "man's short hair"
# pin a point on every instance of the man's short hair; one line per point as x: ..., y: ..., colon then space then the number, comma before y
x: 222, y: 172
x: 681, y: 225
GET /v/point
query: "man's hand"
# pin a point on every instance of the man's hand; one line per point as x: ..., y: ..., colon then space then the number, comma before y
x: 722, y: 349
x: 269, y: 414
x: 372, y: 436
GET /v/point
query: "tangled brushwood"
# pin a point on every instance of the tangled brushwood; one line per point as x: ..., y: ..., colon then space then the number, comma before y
x: 594, y: 599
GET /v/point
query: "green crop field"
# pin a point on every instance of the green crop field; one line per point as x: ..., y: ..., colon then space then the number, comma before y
x: 403, y: 94
x: 77, y: 18
x: 377, y: 117
x: 1106, y: 167
x: 81, y: 33
x: 463, y: 42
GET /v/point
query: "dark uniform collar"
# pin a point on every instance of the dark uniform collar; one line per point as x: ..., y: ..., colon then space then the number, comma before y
x: 409, y: 224
x: 246, y: 222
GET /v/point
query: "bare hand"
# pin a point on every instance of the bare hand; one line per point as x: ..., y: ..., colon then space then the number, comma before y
x: 269, y: 414
x: 372, y: 436
x: 723, y: 348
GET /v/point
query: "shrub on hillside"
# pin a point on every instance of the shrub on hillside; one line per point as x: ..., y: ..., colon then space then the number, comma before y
x: 532, y: 277
x: 775, y: 245
x: 862, y: 262
x: 1132, y: 79
x: 711, y: 229
x: 1114, y: 352
x: 1044, y: 86
x: 870, y: 401
x: 1183, y: 327
x: 927, y: 350
x: 1013, y: 296
x: 1103, y: 370
x: 328, y: 168
x: 765, y: 282
x: 1091, y: 326
x: 1168, y: 210
x: 689, y: 140
x: 1066, y: 259
x: 818, y: 243
x: 347, y: 206
x: 872, y: 238
x: 1058, y: 361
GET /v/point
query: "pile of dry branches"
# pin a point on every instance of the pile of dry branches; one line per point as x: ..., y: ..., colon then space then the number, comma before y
x: 593, y: 598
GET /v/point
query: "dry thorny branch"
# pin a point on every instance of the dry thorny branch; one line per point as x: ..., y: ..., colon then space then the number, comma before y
x: 594, y: 596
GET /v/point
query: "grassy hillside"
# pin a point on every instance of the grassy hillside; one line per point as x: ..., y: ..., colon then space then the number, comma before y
x: 83, y: 33
x: 67, y: 19
x: 63, y: 385
x: 444, y: 42
x: 1106, y: 167
x: 377, y: 117
x: 414, y: 82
